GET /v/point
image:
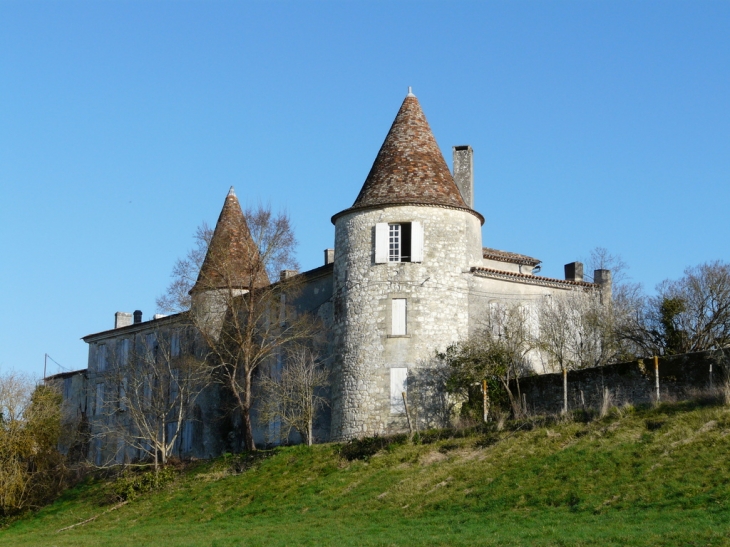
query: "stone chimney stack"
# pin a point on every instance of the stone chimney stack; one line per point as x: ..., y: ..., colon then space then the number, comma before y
x: 137, y: 316
x: 286, y: 274
x: 329, y: 256
x: 602, y: 278
x: 122, y: 319
x: 574, y: 271
x: 464, y: 173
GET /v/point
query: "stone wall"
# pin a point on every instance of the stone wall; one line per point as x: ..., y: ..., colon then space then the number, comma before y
x: 680, y: 377
x: 437, y: 308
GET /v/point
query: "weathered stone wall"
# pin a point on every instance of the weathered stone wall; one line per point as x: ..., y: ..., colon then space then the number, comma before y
x: 680, y: 377
x: 437, y: 303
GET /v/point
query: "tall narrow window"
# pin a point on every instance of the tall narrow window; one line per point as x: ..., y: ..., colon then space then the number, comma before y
x: 394, y: 242
x: 398, y: 385
x: 398, y: 317
x: 99, y: 403
x: 175, y: 344
x: 123, y: 395
x: 124, y: 351
x: 101, y: 357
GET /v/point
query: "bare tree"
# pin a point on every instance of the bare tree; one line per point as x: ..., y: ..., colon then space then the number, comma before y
x: 150, y: 387
x: 576, y: 331
x: 601, y: 259
x: 31, y: 468
x: 693, y: 312
x: 294, y: 395
x: 243, y: 318
x: 184, y: 274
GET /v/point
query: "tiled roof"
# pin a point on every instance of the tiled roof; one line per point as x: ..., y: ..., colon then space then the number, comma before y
x: 409, y: 168
x: 513, y: 258
x: 230, y: 252
x: 532, y: 279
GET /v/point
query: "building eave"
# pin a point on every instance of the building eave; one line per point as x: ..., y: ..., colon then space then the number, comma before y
x: 403, y: 204
x: 532, y: 279
x: 134, y: 327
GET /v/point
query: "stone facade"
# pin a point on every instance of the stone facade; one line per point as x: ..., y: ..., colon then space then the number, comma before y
x: 408, y: 276
x: 436, y: 294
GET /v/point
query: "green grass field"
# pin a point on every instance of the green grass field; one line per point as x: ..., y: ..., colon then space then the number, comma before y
x: 657, y: 476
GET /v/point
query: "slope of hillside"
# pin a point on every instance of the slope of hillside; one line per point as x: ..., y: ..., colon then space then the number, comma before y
x: 655, y: 476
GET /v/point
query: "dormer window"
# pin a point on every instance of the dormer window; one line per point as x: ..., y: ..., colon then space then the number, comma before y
x: 398, y: 242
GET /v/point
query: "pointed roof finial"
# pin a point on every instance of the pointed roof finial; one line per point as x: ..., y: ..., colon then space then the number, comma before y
x: 231, y: 193
x: 410, y: 92
x: 409, y: 168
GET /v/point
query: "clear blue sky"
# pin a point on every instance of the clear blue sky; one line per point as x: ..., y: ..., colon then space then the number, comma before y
x: 123, y: 124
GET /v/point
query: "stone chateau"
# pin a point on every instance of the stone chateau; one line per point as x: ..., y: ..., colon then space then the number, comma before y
x: 408, y: 275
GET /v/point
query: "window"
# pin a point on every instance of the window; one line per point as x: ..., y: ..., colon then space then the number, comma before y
x: 398, y: 386
x: 175, y: 344
x: 151, y: 347
x: 124, y: 351
x: 101, y: 357
x: 174, y: 386
x: 398, y: 242
x: 123, y: 395
x: 398, y: 317
x: 99, y: 402
x: 395, y: 243
x: 187, y: 436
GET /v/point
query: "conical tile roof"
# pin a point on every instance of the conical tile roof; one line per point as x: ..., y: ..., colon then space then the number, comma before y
x: 409, y: 168
x: 232, y: 259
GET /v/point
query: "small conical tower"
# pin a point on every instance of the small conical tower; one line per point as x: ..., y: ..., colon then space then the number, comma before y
x: 401, y: 281
x: 231, y: 266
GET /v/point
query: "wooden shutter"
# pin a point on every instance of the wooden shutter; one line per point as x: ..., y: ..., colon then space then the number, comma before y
x: 398, y: 316
x: 416, y: 242
x: 381, y: 243
x: 398, y: 377
x: 98, y: 407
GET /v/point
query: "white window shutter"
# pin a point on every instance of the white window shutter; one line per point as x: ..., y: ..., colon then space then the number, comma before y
x: 381, y: 243
x: 416, y: 242
x: 398, y: 379
x: 398, y: 316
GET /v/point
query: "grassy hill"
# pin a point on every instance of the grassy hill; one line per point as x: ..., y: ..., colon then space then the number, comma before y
x: 655, y: 476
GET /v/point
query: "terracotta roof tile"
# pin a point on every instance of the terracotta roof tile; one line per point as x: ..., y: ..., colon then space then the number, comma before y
x: 505, y: 256
x: 529, y: 278
x: 230, y: 253
x: 409, y: 168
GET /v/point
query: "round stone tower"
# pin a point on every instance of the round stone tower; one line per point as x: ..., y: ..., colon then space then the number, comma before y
x: 403, y: 253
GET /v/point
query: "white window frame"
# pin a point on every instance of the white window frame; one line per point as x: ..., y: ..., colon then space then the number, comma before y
x: 395, y: 243
x: 388, y: 234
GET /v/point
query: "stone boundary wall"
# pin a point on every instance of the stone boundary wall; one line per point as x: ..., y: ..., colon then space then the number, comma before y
x: 680, y: 377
